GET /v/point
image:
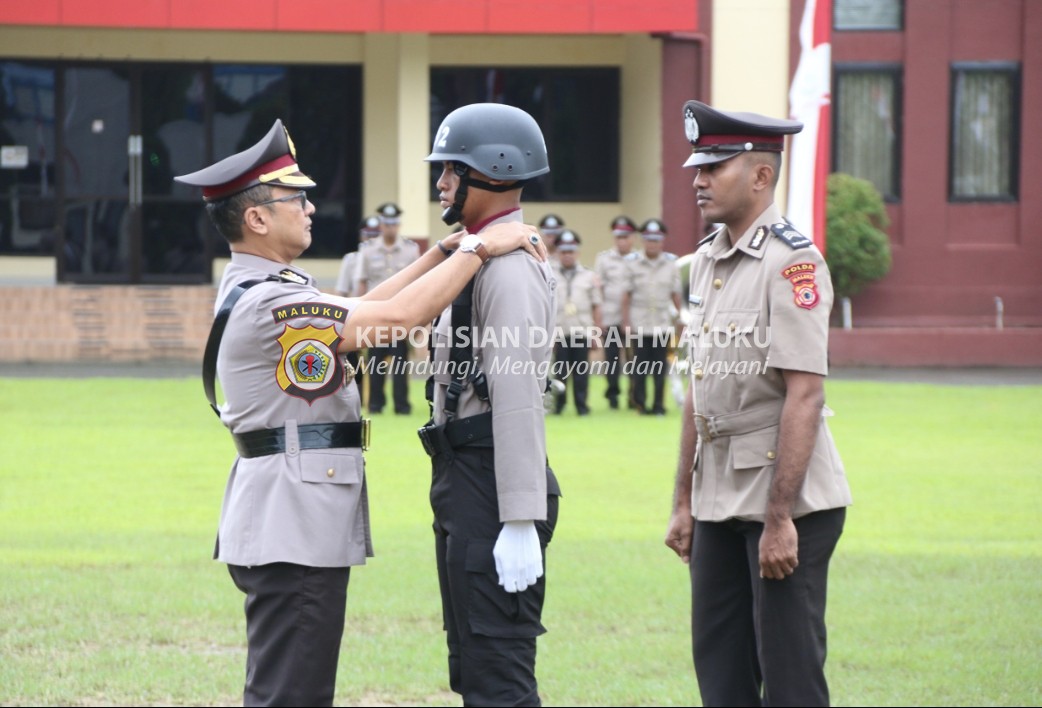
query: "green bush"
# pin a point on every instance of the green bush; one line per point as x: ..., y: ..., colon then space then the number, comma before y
x: 858, y: 249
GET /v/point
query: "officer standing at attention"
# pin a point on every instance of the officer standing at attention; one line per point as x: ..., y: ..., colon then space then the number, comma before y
x: 493, y: 494
x: 368, y: 229
x: 382, y: 259
x: 613, y: 268
x: 295, y: 515
x: 650, y: 309
x: 760, y: 491
x: 550, y: 227
x: 578, y: 313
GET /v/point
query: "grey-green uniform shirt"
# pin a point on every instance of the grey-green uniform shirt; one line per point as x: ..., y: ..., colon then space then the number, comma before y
x: 578, y: 291
x: 613, y: 269
x: 378, y: 261
x: 278, y: 368
x: 652, y: 284
x: 758, y: 308
x: 513, y: 311
x: 345, y: 282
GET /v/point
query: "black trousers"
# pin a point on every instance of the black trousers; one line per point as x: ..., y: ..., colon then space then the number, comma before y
x: 614, y: 355
x: 491, y: 634
x: 294, y: 624
x: 649, y: 358
x: 757, y: 641
x: 573, y: 365
x: 399, y: 354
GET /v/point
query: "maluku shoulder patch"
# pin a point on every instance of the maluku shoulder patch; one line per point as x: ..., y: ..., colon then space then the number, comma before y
x: 791, y: 236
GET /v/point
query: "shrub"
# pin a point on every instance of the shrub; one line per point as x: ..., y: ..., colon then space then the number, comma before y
x: 858, y: 249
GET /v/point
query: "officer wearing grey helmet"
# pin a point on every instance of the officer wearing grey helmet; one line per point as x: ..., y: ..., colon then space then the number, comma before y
x: 295, y: 516
x: 493, y: 495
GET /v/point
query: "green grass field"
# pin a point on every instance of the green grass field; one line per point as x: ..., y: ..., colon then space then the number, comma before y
x: 110, y: 491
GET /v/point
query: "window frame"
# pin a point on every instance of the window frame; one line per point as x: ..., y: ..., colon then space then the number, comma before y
x: 896, y: 70
x: 1014, y: 70
x: 870, y: 28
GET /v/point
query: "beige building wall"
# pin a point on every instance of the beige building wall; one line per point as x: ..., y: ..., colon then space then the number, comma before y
x: 751, y: 61
x: 396, y: 113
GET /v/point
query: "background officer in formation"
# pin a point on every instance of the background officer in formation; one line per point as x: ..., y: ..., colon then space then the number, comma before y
x: 550, y: 227
x: 650, y: 309
x: 613, y: 269
x: 492, y: 492
x: 578, y: 312
x: 295, y: 515
x: 759, y: 508
x: 368, y: 229
x: 381, y: 259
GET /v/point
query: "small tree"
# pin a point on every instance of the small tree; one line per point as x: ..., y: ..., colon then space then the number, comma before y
x: 857, y: 250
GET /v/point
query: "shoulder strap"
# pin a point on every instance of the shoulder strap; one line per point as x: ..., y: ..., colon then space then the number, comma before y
x: 213, y: 342
x: 461, y: 356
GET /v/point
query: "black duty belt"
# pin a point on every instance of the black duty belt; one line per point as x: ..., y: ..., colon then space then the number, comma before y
x: 317, y: 436
x: 472, y: 431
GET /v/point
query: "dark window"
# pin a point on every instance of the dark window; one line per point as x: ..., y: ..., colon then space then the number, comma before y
x: 984, y: 132
x: 867, y: 14
x: 577, y: 109
x: 28, y: 205
x: 866, y: 125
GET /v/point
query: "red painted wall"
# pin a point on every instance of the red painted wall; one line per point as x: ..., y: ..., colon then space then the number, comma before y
x: 430, y: 16
x: 952, y: 259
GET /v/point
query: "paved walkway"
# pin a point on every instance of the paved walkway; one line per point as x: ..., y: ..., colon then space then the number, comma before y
x: 967, y: 377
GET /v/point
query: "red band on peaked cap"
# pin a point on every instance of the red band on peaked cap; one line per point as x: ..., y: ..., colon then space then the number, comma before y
x: 241, y: 183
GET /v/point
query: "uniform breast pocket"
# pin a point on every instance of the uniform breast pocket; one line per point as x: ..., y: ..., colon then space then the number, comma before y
x: 728, y: 325
x: 331, y: 466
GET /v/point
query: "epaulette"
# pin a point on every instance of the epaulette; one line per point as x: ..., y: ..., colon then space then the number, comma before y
x: 288, y: 275
x: 670, y: 256
x: 631, y: 256
x: 791, y: 236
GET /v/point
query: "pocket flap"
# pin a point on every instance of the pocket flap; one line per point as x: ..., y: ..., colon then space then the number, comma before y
x: 331, y: 466
x: 756, y: 449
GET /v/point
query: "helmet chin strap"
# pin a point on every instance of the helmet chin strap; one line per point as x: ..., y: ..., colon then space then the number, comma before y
x: 454, y: 213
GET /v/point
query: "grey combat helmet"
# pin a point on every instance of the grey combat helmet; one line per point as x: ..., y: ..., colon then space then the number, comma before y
x: 499, y: 141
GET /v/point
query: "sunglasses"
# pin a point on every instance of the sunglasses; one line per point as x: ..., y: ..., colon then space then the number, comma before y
x: 301, y: 195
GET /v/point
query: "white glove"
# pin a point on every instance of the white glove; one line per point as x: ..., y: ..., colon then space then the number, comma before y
x: 519, y: 559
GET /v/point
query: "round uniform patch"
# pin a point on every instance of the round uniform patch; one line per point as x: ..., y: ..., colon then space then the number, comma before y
x: 804, y: 287
x: 309, y: 367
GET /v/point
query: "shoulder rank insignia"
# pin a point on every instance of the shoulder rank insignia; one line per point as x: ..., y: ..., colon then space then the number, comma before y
x: 631, y: 256
x: 791, y: 236
x: 288, y: 275
x: 670, y: 256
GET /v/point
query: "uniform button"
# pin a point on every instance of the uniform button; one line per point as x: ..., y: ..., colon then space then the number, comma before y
x: 699, y: 374
x: 330, y: 472
x: 705, y: 327
x: 718, y: 283
x: 732, y: 326
x: 771, y: 454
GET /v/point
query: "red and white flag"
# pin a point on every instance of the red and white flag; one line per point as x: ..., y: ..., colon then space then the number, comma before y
x: 810, y: 103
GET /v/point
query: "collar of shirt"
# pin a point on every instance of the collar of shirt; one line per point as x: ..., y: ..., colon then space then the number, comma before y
x: 248, y: 260
x: 495, y: 219
x: 393, y: 247
x: 721, y: 247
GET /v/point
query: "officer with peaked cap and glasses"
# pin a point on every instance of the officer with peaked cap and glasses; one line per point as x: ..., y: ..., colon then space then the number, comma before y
x: 650, y: 308
x: 578, y: 321
x: 295, y: 514
x: 493, y: 495
x: 385, y: 257
x: 613, y: 268
x: 760, y: 491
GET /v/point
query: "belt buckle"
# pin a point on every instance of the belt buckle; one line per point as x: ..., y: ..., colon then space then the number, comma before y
x: 702, y: 426
x: 366, y: 425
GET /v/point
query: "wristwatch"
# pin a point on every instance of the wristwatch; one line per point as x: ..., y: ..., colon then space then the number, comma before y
x: 471, y: 243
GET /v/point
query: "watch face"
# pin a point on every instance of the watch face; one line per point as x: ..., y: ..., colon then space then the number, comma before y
x: 470, y: 242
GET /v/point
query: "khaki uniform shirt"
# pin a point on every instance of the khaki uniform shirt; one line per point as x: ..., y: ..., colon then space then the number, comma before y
x: 278, y: 368
x: 652, y: 284
x: 378, y: 262
x: 513, y: 310
x: 578, y: 291
x: 345, y: 282
x: 613, y: 269
x: 757, y: 308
